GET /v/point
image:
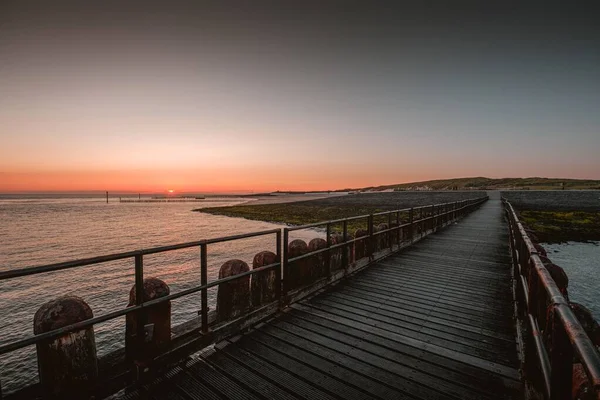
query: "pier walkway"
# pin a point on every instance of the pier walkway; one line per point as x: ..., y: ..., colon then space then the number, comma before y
x: 435, y: 321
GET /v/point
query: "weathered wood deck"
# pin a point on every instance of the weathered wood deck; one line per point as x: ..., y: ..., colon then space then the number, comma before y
x: 433, y: 322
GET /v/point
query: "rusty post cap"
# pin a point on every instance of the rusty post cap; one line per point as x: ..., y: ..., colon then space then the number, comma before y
x: 60, y: 312
x: 317, y: 244
x: 264, y: 258
x: 233, y: 267
x: 154, y: 288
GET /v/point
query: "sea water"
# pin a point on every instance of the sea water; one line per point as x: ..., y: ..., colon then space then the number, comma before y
x: 39, y: 231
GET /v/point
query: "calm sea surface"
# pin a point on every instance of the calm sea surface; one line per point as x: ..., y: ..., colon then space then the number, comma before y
x: 43, y: 231
x: 580, y: 262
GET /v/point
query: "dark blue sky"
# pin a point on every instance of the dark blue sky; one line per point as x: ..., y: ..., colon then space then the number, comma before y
x: 342, y: 95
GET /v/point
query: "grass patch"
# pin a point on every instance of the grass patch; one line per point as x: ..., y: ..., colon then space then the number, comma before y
x: 327, y: 209
x: 302, y: 214
x: 562, y: 226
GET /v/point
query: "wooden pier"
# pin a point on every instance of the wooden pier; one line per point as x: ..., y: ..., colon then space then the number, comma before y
x: 446, y: 301
x: 433, y: 322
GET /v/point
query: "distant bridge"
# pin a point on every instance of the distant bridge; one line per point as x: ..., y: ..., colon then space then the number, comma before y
x: 436, y: 302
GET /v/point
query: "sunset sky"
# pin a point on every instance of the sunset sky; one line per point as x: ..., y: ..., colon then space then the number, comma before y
x: 223, y: 98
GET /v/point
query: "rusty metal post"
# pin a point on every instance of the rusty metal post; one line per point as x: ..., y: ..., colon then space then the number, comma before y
x: 67, y: 365
x: 153, y: 322
x: 328, y: 257
x: 284, y: 266
x: 134, y: 350
x: 389, y: 234
x: 345, y: 247
x: 370, y: 241
x: 279, y: 269
x: 561, y: 358
x: 398, y: 230
x: 411, y: 221
x: 204, y: 281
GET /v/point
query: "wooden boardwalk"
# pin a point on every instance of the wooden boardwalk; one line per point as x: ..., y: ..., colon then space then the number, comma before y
x: 432, y: 322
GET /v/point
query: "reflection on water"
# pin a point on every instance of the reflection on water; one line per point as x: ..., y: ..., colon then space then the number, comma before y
x: 43, y: 231
x: 581, y: 263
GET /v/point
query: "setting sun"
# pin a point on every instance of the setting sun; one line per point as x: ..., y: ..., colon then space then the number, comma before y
x: 171, y: 190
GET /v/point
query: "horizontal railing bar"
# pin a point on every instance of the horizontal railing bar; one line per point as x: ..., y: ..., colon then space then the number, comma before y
x: 121, y: 256
x: 119, y: 313
x: 583, y: 346
x: 336, y: 221
x: 241, y: 236
x: 65, y: 265
x: 317, y: 224
x: 392, y: 212
x: 61, y: 331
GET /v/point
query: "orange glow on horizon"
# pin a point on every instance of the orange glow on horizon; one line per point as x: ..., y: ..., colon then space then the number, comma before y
x: 257, y: 178
x: 223, y: 180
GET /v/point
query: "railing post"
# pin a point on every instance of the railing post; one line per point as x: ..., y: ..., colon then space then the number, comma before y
x: 411, y: 221
x: 398, y: 230
x: 561, y: 359
x: 278, y: 269
x: 284, y: 266
x: 371, y: 245
x: 139, y: 300
x: 204, y: 281
x: 431, y: 219
x: 389, y: 233
x: 328, y: 258
x: 345, y: 247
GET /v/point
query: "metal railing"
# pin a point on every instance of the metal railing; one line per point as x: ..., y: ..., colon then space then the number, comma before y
x: 140, y: 304
x: 538, y: 297
x: 417, y: 222
x: 420, y: 220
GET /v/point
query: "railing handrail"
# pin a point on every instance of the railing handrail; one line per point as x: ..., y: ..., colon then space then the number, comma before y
x: 9, y: 274
x: 577, y: 337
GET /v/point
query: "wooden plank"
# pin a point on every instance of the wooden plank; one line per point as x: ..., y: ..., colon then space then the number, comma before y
x: 409, y: 293
x: 363, y: 308
x: 178, y: 380
x: 246, y: 377
x: 452, y: 343
x: 333, y: 367
x: 379, y: 380
x: 275, y: 375
x: 218, y: 382
x: 323, y: 380
x: 491, y: 325
x: 440, y: 300
x: 421, y: 370
x: 421, y: 325
x: 427, y: 361
x: 407, y: 379
x: 489, y: 366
